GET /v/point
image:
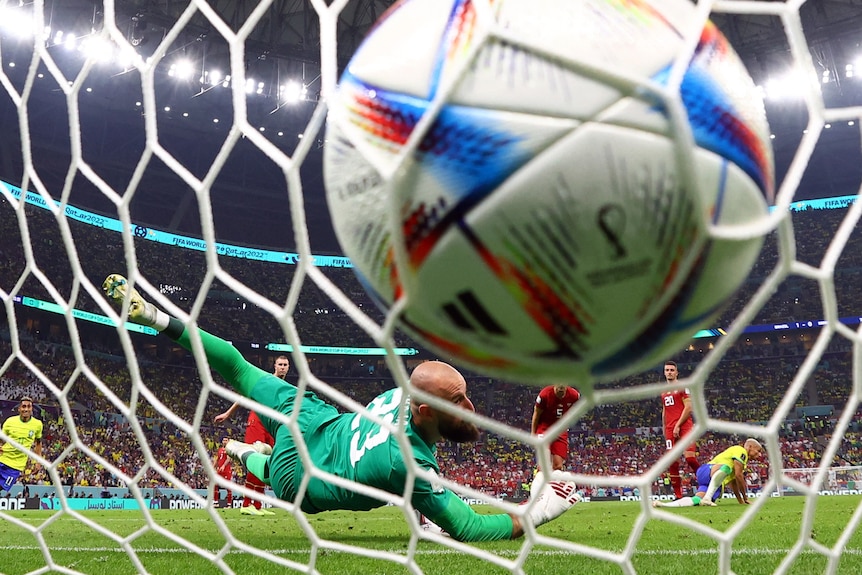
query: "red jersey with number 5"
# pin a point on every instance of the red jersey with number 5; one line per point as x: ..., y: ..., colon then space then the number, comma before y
x: 553, y: 407
x: 673, y: 405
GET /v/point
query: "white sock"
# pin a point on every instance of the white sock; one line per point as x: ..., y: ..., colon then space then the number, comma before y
x: 715, y: 483
x: 683, y: 502
x: 161, y: 321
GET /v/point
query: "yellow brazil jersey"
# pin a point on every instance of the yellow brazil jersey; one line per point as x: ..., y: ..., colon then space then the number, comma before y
x: 728, y: 456
x: 25, y: 433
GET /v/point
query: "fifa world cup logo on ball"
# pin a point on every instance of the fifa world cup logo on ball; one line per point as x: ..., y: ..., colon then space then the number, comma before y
x: 537, y: 191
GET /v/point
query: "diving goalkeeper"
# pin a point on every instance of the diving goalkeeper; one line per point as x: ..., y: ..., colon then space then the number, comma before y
x: 353, y: 447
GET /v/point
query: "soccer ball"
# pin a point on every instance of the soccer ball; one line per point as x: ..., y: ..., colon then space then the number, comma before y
x: 537, y: 183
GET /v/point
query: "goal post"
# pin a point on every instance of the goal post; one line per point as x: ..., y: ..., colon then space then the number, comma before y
x: 845, y: 480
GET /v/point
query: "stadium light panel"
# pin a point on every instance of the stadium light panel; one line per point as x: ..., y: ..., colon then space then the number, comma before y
x: 292, y: 92
x: 17, y: 22
x: 181, y: 69
x: 785, y: 87
x: 97, y: 48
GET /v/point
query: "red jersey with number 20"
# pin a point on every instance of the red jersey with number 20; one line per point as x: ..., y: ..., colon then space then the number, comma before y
x: 673, y: 406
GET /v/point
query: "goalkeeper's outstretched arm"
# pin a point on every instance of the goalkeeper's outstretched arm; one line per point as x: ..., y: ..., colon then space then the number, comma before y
x: 552, y: 498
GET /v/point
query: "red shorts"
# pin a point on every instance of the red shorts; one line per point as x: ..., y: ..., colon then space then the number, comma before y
x: 227, y: 476
x: 684, y: 430
x: 560, y: 446
x: 255, y: 431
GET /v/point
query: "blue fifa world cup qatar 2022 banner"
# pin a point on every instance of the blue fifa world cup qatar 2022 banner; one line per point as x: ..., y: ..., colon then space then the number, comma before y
x: 79, y: 504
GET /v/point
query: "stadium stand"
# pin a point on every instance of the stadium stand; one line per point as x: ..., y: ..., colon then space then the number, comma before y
x: 619, y: 439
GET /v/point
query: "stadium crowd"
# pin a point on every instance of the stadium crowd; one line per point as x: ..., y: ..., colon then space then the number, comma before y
x: 618, y: 439
x: 109, y: 419
x: 180, y: 275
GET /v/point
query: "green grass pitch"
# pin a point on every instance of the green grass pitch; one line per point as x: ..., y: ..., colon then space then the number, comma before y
x: 664, y: 546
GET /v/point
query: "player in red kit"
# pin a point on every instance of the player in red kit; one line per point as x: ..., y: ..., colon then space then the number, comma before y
x: 254, y: 431
x: 551, y: 403
x: 677, y: 423
x: 224, y: 468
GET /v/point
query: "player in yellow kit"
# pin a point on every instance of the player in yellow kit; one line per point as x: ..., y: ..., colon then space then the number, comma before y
x: 726, y: 468
x: 26, y: 431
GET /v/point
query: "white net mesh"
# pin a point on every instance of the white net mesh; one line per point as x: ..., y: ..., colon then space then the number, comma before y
x: 142, y: 423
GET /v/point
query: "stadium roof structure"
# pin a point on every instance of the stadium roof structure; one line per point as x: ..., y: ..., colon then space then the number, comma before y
x: 281, y: 60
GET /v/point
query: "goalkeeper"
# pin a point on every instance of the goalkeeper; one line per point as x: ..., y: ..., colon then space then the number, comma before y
x: 353, y: 447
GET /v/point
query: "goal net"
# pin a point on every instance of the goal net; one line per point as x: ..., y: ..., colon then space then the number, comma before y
x: 843, y: 480
x: 180, y: 145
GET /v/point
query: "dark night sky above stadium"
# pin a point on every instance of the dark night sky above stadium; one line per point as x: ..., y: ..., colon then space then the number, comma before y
x: 249, y: 194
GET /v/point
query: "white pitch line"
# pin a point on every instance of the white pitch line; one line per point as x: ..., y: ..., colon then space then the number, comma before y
x: 504, y: 552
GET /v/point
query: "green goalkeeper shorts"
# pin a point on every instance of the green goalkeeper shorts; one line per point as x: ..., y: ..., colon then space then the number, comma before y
x: 281, y: 396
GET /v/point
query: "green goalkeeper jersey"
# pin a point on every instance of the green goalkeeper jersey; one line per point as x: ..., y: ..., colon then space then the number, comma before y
x: 353, y: 447
x: 346, y: 446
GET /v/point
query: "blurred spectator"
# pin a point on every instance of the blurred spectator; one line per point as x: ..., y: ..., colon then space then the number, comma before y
x: 90, y: 403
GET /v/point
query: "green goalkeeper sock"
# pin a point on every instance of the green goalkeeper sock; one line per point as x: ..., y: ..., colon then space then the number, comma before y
x: 222, y: 356
x: 258, y: 465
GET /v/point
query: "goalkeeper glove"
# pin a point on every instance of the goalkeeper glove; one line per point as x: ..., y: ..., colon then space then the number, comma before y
x: 552, y: 500
x: 538, y: 483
